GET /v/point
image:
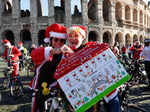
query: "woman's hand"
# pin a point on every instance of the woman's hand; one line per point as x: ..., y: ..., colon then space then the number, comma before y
x: 66, y: 49
x: 57, y: 51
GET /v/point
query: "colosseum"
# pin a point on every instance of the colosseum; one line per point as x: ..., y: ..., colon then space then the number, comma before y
x: 122, y: 21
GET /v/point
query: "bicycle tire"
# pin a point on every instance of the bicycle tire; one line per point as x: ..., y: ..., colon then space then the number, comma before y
x: 136, y: 107
x: 16, y: 89
x: 133, y: 108
x: 5, y: 83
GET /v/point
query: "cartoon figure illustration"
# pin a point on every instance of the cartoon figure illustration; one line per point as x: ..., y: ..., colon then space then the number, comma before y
x: 82, y: 72
x: 89, y: 69
x: 97, y: 82
x: 68, y: 82
x: 76, y: 77
x: 75, y: 93
x: 94, y: 64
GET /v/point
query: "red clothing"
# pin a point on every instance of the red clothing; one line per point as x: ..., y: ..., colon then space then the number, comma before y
x: 123, y: 49
x: 40, y: 57
x: 15, y: 51
x: 136, y: 51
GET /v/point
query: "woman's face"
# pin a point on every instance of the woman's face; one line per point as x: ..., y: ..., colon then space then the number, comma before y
x: 57, y: 42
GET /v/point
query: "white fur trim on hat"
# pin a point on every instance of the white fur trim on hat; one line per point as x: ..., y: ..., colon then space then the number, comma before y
x: 59, y: 35
x: 47, y: 52
x: 7, y: 44
x: 46, y: 40
x: 83, y: 33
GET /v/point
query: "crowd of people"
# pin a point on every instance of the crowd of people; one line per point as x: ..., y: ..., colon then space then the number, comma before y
x: 63, y: 42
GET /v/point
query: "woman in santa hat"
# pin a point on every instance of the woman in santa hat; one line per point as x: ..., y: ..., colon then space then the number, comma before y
x: 46, y: 60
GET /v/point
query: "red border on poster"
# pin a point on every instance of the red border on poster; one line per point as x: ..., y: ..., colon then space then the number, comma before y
x: 78, y: 58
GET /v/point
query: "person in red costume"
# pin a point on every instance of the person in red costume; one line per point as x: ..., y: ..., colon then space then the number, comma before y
x: 76, y: 37
x: 123, y: 49
x: 11, y: 54
x: 46, y: 60
x: 136, y: 50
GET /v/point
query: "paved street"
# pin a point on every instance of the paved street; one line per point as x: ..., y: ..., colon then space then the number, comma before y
x: 139, y: 95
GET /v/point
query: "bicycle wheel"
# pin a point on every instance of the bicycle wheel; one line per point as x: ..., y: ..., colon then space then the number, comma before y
x: 5, y: 83
x: 134, y: 108
x: 16, y: 89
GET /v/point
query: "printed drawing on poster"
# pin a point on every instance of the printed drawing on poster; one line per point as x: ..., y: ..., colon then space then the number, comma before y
x: 93, y: 80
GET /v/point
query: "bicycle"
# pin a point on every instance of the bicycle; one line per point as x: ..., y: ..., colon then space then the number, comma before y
x: 124, y: 91
x: 55, y: 101
x: 137, y: 72
x: 28, y: 64
x: 135, y: 68
x: 12, y: 82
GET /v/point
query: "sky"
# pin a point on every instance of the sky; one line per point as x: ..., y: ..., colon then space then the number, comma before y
x: 25, y: 4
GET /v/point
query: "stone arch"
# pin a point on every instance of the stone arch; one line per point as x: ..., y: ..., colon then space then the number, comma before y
x: 25, y: 37
x: 135, y: 38
x: 74, y: 6
x: 41, y: 7
x: 59, y: 11
x: 141, y: 17
x: 127, y: 39
x: 127, y: 12
x: 106, y: 10
x: 25, y: 9
x: 141, y: 39
x: 93, y: 36
x: 135, y: 15
x: 76, y: 11
x: 7, y: 6
x: 118, y: 11
x: 9, y: 35
x: 119, y: 38
x: 107, y: 37
x: 92, y: 9
x: 41, y: 36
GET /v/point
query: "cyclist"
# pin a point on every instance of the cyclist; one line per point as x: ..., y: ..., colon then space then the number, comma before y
x: 136, y: 49
x: 23, y: 51
x: 115, y: 49
x: 46, y: 60
x: 76, y: 37
x: 11, y: 54
x: 146, y: 55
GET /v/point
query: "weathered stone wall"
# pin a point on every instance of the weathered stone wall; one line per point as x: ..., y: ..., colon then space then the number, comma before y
x: 112, y: 28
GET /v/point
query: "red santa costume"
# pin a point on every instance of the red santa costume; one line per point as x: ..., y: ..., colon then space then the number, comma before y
x: 45, y: 61
x: 136, y: 50
x: 15, y: 58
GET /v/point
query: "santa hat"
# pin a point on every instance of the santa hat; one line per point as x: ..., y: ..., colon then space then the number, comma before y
x: 6, y: 42
x: 78, y: 28
x: 56, y: 31
x: 20, y: 43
